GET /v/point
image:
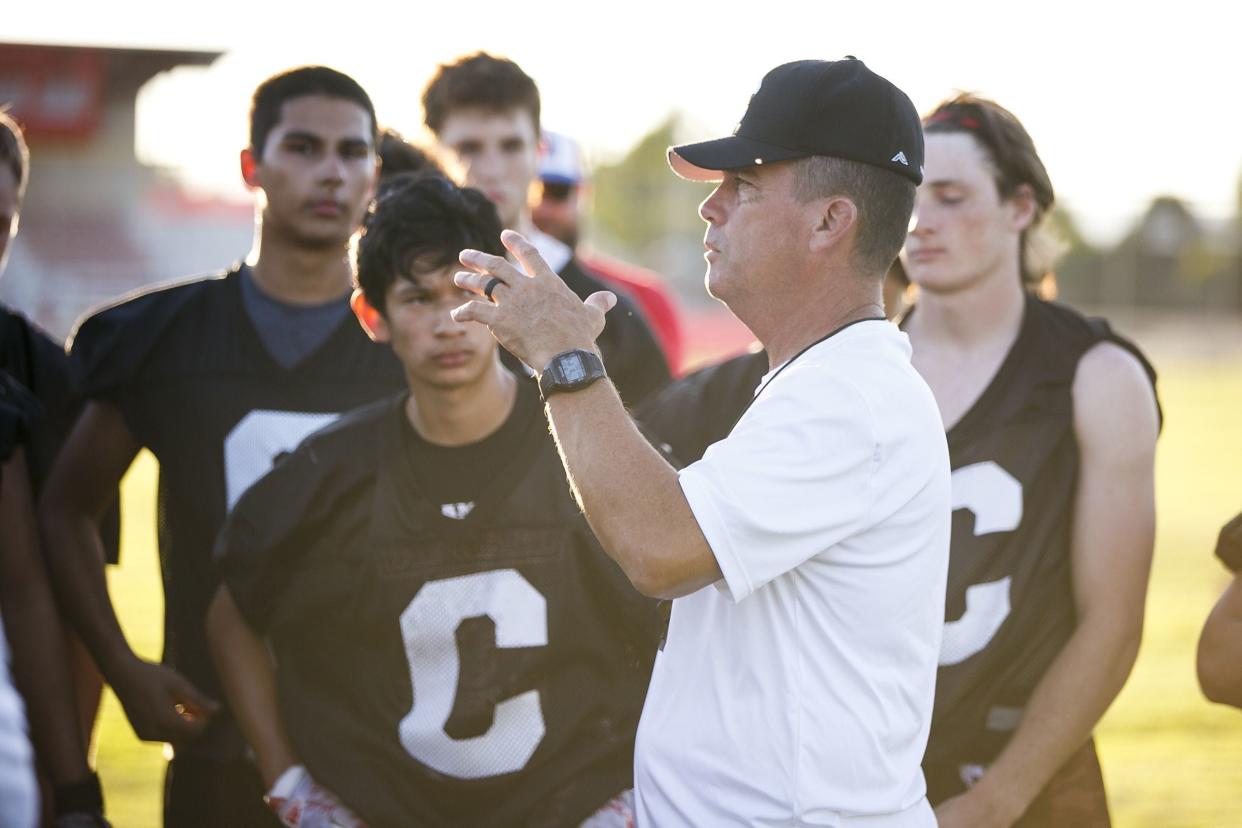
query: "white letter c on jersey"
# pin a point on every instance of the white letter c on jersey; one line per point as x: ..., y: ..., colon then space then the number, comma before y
x: 429, y: 628
x: 995, y: 498
x: 252, y: 446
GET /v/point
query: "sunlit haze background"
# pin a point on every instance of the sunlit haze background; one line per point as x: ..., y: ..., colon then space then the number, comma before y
x: 1125, y: 101
x: 1135, y: 109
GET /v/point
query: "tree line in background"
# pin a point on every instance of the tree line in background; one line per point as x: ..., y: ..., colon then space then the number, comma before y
x: 1169, y: 259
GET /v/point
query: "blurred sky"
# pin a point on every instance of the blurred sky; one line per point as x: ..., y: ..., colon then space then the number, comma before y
x: 1125, y: 101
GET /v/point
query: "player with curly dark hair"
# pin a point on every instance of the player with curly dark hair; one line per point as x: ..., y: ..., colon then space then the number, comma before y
x: 451, y: 645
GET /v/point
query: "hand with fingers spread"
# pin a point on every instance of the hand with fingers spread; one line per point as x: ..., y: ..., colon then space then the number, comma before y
x: 161, y: 704
x: 533, y: 314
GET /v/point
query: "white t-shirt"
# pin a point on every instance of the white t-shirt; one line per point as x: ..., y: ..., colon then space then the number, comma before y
x: 798, y: 690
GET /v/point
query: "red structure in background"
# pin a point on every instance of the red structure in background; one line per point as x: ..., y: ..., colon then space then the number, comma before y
x: 54, y: 92
x: 653, y: 296
x: 97, y: 223
x: 713, y: 334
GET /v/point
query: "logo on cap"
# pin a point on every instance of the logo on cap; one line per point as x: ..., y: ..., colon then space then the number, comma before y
x: 900, y: 158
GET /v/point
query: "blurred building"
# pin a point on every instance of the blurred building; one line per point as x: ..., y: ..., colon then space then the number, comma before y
x: 97, y: 223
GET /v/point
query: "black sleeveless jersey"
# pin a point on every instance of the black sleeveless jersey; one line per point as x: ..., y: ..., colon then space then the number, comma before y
x: 1010, y: 606
x: 187, y: 370
x: 702, y: 408
x: 32, y: 358
x: 432, y: 671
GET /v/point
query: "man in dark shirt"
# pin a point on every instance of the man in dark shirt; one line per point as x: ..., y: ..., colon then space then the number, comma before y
x: 449, y: 644
x: 35, y: 376
x: 484, y: 112
x: 217, y: 377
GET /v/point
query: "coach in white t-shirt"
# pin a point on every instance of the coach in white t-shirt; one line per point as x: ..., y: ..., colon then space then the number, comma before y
x: 808, y: 550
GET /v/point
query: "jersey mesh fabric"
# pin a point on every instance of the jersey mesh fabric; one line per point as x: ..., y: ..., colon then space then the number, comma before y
x: 506, y: 656
x: 39, y: 363
x: 1010, y: 606
x: 189, y: 374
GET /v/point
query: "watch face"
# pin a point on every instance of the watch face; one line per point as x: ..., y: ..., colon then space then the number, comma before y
x: 572, y: 368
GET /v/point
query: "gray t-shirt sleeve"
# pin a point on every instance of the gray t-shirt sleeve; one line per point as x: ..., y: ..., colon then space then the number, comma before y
x: 290, y: 333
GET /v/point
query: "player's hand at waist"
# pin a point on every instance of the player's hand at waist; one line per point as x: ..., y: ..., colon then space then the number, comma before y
x: 301, y: 802
x: 976, y: 809
x: 160, y: 703
x: 533, y: 314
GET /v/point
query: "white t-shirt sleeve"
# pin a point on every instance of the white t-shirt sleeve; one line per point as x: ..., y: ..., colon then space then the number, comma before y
x: 792, y: 480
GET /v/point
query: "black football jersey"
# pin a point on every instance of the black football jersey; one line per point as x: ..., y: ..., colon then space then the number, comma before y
x: 18, y: 412
x: 702, y: 408
x: 32, y: 358
x: 436, y: 671
x: 187, y: 370
x: 1010, y: 607
x: 632, y: 357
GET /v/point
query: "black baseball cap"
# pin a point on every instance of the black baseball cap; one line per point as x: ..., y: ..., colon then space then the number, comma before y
x: 815, y: 107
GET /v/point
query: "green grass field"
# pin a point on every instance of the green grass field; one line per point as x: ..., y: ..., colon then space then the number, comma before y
x: 1171, y: 759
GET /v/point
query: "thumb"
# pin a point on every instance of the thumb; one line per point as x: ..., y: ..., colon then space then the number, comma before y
x: 605, y: 300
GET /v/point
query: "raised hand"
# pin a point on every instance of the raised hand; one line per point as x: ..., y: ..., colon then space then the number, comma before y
x: 533, y: 314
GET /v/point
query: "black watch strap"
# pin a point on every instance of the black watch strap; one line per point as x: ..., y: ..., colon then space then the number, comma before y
x: 570, y: 371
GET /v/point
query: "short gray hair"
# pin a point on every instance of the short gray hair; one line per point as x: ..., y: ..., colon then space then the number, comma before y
x: 885, y: 202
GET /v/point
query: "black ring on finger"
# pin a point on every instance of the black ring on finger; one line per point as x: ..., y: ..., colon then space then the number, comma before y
x: 490, y: 286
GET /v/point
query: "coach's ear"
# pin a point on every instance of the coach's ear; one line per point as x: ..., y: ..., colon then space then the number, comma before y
x: 249, y: 168
x: 371, y: 320
x: 832, y: 220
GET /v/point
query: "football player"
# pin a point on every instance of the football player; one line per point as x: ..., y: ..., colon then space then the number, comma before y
x: 449, y: 645
x: 484, y: 112
x: 218, y: 376
x: 1052, y: 422
x: 558, y: 211
x: 31, y: 629
x: 39, y: 364
x: 36, y: 364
